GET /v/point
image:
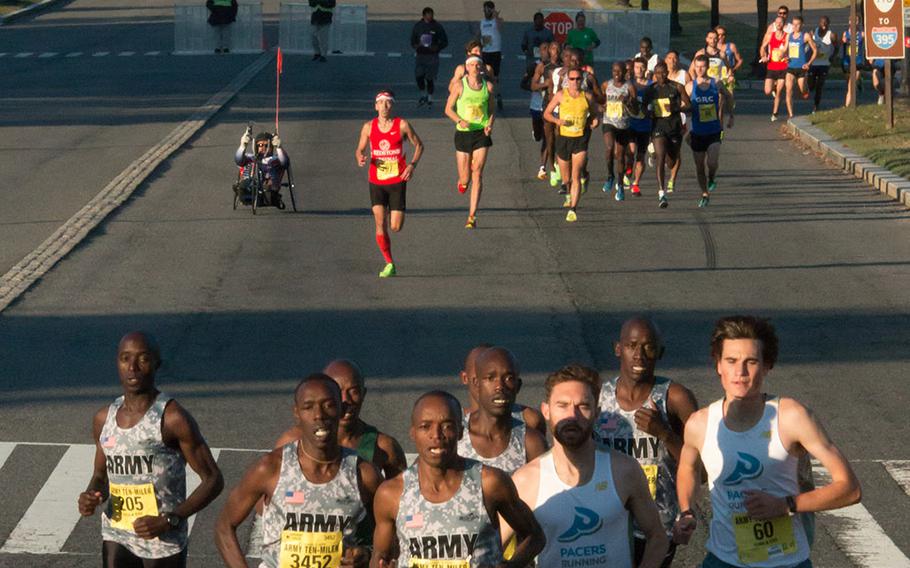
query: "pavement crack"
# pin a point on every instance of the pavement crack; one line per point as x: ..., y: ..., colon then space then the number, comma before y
x: 708, y: 239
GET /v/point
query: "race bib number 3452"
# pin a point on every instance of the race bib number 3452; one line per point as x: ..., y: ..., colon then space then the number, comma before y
x: 757, y: 541
x: 131, y: 501
x: 310, y: 550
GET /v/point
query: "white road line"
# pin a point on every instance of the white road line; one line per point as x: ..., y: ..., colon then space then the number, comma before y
x: 152, y: 53
x: 394, y: 54
x: 52, y: 516
x: 47, y: 54
x: 192, y: 482
x: 858, y: 534
x: 3, y: 54
x: 73, y: 54
x: 101, y: 53
x: 900, y: 471
x: 6, y: 448
x: 25, y: 54
x: 126, y: 53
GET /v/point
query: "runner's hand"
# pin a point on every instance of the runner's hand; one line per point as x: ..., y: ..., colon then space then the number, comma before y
x: 407, y: 173
x: 488, y: 129
x: 462, y: 123
x: 683, y: 529
x: 276, y: 142
x: 762, y: 506
x: 361, y: 160
x: 594, y: 123
x: 387, y: 563
x: 356, y: 557
x: 246, y: 138
x: 650, y: 420
x: 88, y: 501
x: 149, y: 527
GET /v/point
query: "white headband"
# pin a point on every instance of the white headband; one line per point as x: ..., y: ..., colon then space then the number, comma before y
x: 384, y: 97
x: 472, y: 58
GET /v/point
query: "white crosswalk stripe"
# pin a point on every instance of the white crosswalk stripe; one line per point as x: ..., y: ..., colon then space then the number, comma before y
x: 152, y: 53
x: 126, y: 53
x: 73, y: 54
x: 25, y: 54
x: 52, y: 516
x: 3, y: 54
x: 48, y: 54
x: 101, y: 53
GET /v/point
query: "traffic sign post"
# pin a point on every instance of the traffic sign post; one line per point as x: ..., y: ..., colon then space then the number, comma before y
x: 884, y: 23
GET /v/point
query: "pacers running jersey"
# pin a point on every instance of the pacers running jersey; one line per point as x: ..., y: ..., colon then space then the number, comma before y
x: 585, y: 525
x: 146, y: 477
x: 616, y: 428
x: 455, y: 534
x: 310, y: 524
x: 387, y: 161
x: 778, y: 49
x: 511, y: 458
x: 754, y: 460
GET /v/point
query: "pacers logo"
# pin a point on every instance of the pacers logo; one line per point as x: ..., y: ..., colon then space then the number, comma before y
x: 747, y: 467
x: 585, y: 522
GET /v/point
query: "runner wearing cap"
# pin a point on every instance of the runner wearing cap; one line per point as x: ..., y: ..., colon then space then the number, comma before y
x: 470, y: 108
x: 389, y: 171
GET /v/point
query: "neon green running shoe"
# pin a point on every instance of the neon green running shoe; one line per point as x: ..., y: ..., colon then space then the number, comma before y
x: 568, y: 201
x: 571, y: 217
x: 388, y: 271
x: 670, y: 185
x: 555, y: 178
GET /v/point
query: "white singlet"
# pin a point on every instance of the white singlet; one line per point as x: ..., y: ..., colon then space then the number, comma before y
x: 585, y: 525
x: 755, y: 460
x: 490, y: 37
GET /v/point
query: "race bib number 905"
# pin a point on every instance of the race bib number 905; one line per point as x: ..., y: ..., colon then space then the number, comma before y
x: 757, y: 541
x: 131, y: 501
x: 310, y: 550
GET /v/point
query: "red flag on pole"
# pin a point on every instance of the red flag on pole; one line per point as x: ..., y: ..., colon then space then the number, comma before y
x: 279, y: 64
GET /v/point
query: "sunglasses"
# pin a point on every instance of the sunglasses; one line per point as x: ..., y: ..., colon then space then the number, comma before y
x: 574, y: 78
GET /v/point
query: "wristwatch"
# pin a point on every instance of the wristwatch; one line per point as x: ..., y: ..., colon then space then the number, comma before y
x: 173, y: 519
x: 791, y: 503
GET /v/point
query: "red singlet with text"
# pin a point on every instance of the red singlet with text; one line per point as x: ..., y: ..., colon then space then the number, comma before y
x: 387, y: 161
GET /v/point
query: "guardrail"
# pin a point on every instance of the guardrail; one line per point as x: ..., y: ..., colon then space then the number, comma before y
x: 620, y: 30
x: 193, y: 35
x: 347, y: 34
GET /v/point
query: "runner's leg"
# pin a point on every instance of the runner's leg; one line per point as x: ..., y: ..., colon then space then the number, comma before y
x: 478, y: 161
x: 578, y: 164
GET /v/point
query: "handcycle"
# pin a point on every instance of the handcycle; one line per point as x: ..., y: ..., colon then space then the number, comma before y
x: 250, y: 190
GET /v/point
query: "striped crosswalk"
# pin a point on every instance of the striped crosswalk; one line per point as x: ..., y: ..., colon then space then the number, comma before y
x: 46, y: 524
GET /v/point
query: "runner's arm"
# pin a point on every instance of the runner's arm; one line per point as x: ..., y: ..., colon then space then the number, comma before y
x: 681, y: 404
x: 397, y: 461
x: 259, y: 481
x: 593, y: 117
x: 454, y: 93
x: 811, y: 41
x: 535, y: 443
x: 534, y: 419
x: 368, y: 480
x: 501, y: 498
x: 525, y: 44
x: 684, y: 102
x: 536, y: 85
x: 362, y: 145
x: 180, y: 425
x: 800, y: 424
x: 764, y: 50
x: 97, y: 490
x: 548, y: 112
x: 415, y: 141
x: 491, y: 107
x: 644, y: 512
x: 737, y: 58
x: 385, y: 510
x: 688, y: 474
x: 728, y: 105
x: 456, y: 76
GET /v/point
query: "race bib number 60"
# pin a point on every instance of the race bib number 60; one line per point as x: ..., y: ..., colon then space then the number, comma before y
x: 310, y: 550
x: 131, y: 501
x: 757, y: 541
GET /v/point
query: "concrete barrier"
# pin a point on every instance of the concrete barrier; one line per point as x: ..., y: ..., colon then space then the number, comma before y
x: 620, y: 30
x: 193, y: 35
x: 348, y: 32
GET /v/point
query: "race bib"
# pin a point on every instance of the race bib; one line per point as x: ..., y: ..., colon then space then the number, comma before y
x: 757, y: 541
x: 714, y: 67
x: 310, y: 550
x: 651, y: 476
x: 794, y: 51
x: 574, y: 125
x: 663, y: 108
x: 386, y: 169
x: 614, y: 109
x: 486, y: 39
x: 474, y: 112
x: 427, y: 563
x: 707, y: 112
x: 777, y: 55
x: 131, y: 501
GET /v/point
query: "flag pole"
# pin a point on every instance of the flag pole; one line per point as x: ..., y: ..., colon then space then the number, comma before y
x: 278, y: 69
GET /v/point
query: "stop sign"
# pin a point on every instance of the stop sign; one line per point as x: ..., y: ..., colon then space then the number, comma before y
x: 559, y: 23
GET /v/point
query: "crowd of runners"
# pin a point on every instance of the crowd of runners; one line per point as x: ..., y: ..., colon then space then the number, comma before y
x: 604, y: 471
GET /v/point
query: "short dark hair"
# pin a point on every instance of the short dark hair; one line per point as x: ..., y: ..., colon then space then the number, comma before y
x: 745, y: 327
x: 662, y: 64
x: 800, y: 18
x: 536, y: 14
x: 471, y: 45
x: 647, y: 40
x: 319, y: 378
x: 489, y: 4
x: 573, y: 372
x: 673, y: 51
x: 450, y: 399
x: 702, y: 58
x: 426, y: 11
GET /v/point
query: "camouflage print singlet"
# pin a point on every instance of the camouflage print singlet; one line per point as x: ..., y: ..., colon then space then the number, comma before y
x: 310, y: 524
x: 512, y: 457
x: 616, y: 428
x: 145, y: 477
x: 454, y: 534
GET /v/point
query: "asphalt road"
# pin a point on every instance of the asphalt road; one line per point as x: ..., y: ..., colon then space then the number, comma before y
x: 243, y: 306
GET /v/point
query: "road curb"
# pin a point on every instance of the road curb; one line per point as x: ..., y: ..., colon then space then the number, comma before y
x: 31, y: 10
x: 878, y: 177
x: 38, y: 262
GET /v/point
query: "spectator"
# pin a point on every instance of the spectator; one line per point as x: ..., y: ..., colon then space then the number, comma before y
x: 428, y: 38
x: 222, y: 13
x: 320, y: 21
x: 532, y: 39
x: 583, y: 38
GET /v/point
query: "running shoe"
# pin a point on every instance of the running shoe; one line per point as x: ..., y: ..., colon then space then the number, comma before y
x: 608, y: 185
x: 388, y: 271
x: 712, y: 185
x: 620, y: 194
x: 471, y: 224
x: 773, y: 117
x: 703, y: 202
x: 626, y: 180
x: 462, y: 188
x: 662, y: 202
x: 805, y: 95
x: 584, y: 185
x: 571, y: 216
x: 636, y: 191
x: 421, y: 101
x: 563, y: 189
x: 650, y: 154
x: 567, y: 202
x: 555, y: 178
x: 542, y: 173
x: 670, y: 185
x: 881, y: 99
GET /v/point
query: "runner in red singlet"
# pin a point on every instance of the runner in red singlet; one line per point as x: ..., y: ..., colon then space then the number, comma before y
x: 389, y: 171
x: 774, y: 52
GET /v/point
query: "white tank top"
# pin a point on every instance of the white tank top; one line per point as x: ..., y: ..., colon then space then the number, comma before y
x: 752, y: 460
x: 586, y: 525
x: 490, y: 36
